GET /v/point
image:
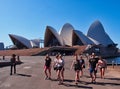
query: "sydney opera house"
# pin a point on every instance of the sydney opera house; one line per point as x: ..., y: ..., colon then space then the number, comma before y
x: 68, y: 36
x: 23, y: 43
x: 96, y: 39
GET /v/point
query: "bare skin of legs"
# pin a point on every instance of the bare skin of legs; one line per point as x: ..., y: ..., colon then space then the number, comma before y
x: 93, y: 76
x: 81, y: 73
x: 102, y: 72
x: 76, y: 77
x: 45, y: 71
x: 60, y: 76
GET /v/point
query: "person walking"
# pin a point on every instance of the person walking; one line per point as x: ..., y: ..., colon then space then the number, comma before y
x: 55, y: 63
x: 63, y: 69
x: 77, y: 68
x: 93, y: 67
x: 59, y: 67
x: 13, y: 64
x: 47, y: 67
x: 102, y: 64
x: 82, y: 64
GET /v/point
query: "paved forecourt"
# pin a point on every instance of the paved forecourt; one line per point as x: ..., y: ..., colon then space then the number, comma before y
x: 30, y: 75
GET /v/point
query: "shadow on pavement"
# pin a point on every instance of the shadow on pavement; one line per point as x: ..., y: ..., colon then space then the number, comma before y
x: 113, y: 78
x: 67, y: 83
x: 103, y: 84
x: 25, y: 75
x: 68, y: 80
x: 77, y: 86
x: 5, y: 64
x: 65, y: 80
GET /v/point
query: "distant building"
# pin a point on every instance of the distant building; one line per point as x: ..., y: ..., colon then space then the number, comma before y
x: 1, y: 46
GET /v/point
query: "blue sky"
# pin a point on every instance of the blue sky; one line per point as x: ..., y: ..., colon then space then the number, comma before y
x: 29, y: 18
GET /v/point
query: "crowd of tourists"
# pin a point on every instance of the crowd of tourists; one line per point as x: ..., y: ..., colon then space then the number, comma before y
x: 78, y: 64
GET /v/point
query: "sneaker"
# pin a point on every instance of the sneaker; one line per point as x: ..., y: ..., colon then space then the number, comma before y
x: 46, y: 78
x: 76, y: 83
x: 49, y: 78
x: 78, y: 80
x: 57, y: 78
x: 60, y: 83
x: 91, y: 81
x: 94, y: 82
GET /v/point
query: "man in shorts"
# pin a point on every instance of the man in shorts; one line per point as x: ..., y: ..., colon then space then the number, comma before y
x: 93, y: 68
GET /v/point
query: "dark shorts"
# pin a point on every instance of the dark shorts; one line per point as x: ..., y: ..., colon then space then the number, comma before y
x: 59, y: 68
x: 93, y: 70
x: 78, y: 69
x: 47, y: 67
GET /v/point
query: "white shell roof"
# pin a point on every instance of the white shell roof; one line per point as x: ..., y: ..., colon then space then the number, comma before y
x: 85, y: 40
x: 94, y: 41
x: 54, y: 32
x: 67, y: 33
x: 23, y: 40
x: 35, y: 42
x: 97, y: 32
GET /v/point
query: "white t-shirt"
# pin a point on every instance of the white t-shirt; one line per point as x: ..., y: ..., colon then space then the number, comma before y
x: 59, y: 62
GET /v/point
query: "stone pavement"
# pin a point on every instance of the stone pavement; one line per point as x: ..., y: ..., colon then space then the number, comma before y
x: 30, y: 75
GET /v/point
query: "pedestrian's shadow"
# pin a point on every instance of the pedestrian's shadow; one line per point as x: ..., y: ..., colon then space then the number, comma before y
x: 68, y: 83
x: 54, y: 79
x: 80, y: 82
x: 113, y: 78
x: 68, y: 80
x: 25, y: 75
x: 77, y: 86
x: 103, y: 84
x: 65, y: 80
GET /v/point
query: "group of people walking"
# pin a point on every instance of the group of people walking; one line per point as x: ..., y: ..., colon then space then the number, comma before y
x: 96, y: 63
x: 78, y: 64
x: 58, y: 66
